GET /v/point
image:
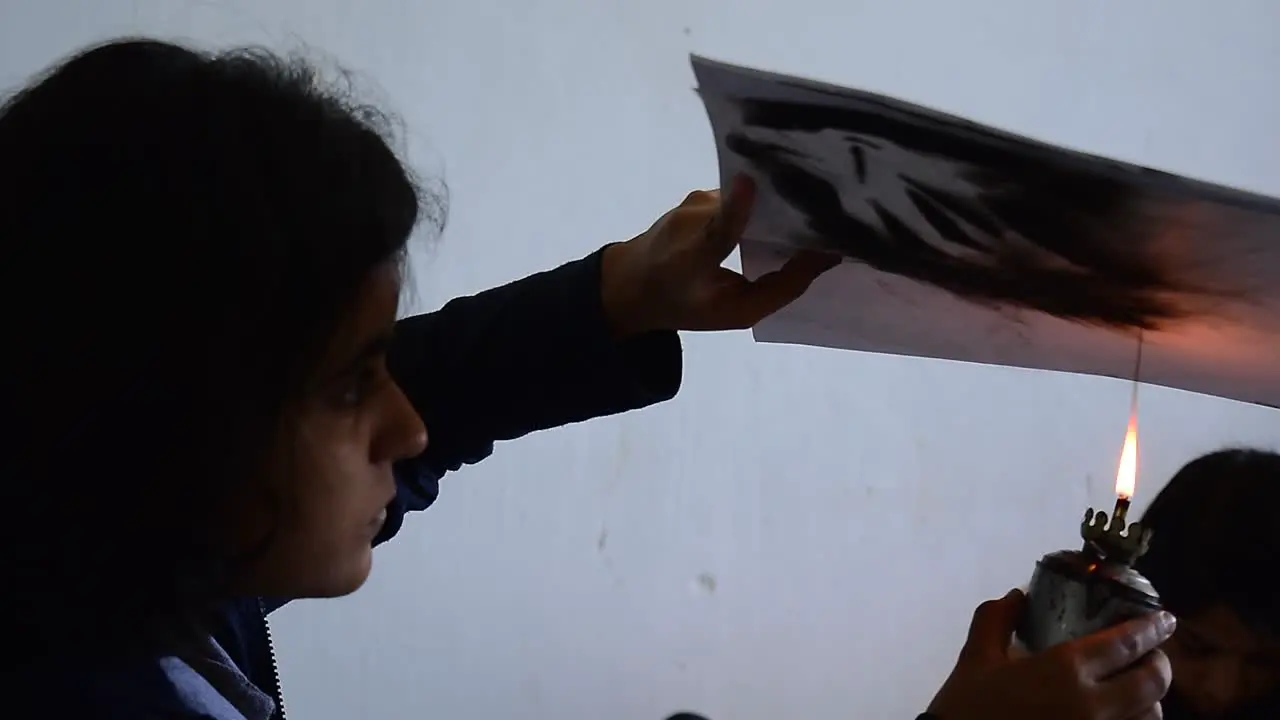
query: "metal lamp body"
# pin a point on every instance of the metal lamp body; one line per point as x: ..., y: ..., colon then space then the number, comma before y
x: 1074, y: 594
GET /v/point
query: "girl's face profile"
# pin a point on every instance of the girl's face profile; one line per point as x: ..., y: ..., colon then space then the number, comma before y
x: 329, y: 475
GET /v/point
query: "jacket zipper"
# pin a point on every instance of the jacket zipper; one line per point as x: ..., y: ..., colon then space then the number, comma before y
x: 272, y: 680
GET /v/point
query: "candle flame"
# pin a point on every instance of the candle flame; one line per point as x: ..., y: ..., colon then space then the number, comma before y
x: 1127, y: 477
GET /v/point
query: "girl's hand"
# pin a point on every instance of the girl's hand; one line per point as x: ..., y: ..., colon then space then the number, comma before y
x: 670, y: 277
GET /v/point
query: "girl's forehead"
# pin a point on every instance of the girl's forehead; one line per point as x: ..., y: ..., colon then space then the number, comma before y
x: 371, y: 316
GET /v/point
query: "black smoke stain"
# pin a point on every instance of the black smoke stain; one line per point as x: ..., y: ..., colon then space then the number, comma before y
x: 859, y: 164
x: 1039, y: 233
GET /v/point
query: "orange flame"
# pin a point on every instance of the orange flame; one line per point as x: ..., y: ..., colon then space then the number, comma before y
x: 1127, y: 477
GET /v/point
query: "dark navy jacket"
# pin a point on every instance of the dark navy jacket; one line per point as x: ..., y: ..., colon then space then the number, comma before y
x: 527, y: 356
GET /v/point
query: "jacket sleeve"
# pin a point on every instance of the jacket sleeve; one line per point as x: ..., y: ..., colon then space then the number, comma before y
x: 531, y: 355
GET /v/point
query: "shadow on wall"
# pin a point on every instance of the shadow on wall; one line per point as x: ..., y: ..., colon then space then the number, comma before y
x: 991, y: 224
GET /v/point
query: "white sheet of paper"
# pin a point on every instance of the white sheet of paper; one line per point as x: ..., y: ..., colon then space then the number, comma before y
x: 967, y: 243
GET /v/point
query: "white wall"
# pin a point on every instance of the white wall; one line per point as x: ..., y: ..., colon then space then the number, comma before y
x: 802, y: 533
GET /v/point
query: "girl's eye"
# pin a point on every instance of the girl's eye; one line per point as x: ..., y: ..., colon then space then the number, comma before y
x: 358, y: 389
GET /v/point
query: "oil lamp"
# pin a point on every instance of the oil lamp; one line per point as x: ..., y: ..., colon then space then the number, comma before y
x: 1074, y: 593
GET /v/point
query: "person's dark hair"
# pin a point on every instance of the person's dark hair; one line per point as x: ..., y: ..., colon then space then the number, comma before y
x: 184, y: 233
x: 1215, y: 537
